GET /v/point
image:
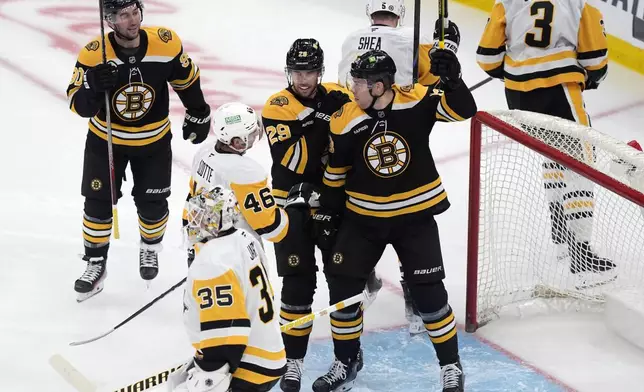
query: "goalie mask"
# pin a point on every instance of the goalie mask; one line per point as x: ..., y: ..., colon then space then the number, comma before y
x: 210, y: 213
x: 237, y: 120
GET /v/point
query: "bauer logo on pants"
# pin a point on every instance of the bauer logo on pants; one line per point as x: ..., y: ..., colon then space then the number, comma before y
x: 96, y: 184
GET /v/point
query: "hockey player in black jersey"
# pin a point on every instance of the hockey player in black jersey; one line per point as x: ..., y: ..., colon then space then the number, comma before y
x: 296, y: 122
x: 141, y: 61
x: 381, y: 182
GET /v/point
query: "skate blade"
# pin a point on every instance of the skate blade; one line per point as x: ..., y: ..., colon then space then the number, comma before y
x: 345, y: 387
x: 81, y: 297
x: 588, y: 280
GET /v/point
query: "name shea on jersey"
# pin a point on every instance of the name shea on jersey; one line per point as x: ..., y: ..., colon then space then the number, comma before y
x: 370, y: 43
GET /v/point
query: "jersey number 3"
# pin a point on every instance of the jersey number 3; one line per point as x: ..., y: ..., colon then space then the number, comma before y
x: 258, y: 277
x: 545, y: 11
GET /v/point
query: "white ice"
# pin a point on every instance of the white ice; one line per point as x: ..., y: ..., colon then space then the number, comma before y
x: 41, y: 151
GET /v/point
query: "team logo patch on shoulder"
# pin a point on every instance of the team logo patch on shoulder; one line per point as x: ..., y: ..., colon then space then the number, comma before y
x: 92, y: 46
x: 96, y: 185
x: 338, y: 114
x: 165, y: 35
x: 387, y: 154
x: 407, y: 88
x: 279, y: 101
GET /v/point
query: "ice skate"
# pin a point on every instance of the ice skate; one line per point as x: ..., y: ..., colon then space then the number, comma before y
x: 91, y: 282
x: 340, y: 377
x: 149, y: 261
x: 292, y: 380
x: 589, y: 269
x: 452, y: 378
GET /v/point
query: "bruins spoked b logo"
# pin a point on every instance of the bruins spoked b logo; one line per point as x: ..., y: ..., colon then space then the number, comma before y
x: 133, y: 101
x: 387, y: 154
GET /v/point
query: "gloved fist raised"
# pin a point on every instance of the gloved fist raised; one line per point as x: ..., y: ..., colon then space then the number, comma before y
x: 101, y: 78
x: 445, y: 65
x: 452, y: 36
x: 196, y: 125
x: 325, y: 227
x: 331, y: 103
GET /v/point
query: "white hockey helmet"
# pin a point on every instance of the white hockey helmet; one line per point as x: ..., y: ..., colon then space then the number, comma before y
x: 210, y: 212
x: 236, y: 120
x: 396, y: 7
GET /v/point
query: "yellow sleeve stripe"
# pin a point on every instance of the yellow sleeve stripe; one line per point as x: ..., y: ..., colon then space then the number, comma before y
x: 304, y: 156
x: 279, y: 193
x: 332, y: 183
x: 441, y: 118
x: 296, y: 156
x: 489, y: 66
x: 178, y: 86
x: 287, y: 155
x: 444, y: 110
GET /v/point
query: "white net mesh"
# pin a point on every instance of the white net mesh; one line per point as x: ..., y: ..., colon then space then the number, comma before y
x: 548, y: 238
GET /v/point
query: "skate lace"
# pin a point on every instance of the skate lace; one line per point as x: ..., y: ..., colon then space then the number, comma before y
x: 92, y: 272
x: 337, y: 372
x: 293, y: 369
x: 149, y: 258
x: 450, y: 376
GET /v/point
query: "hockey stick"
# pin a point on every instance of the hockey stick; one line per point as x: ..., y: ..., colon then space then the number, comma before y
x: 481, y: 83
x: 108, y: 121
x: 138, y: 312
x: 416, y: 40
x: 444, y: 22
x: 82, y: 384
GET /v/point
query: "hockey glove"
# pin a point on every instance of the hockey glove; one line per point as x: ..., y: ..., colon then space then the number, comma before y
x: 303, y: 195
x: 196, y: 125
x: 101, y: 78
x: 325, y: 227
x: 452, y: 37
x: 331, y: 103
x: 445, y: 65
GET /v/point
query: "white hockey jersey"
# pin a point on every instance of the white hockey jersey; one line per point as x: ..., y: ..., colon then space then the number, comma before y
x: 398, y: 42
x: 248, y: 181
x: 229, y: 312
x: 535, y: 44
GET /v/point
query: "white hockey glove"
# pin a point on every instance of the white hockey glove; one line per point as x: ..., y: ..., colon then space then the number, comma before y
x: 192, y: 378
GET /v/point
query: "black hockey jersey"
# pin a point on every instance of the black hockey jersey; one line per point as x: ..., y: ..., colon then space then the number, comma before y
x: 298, y: 142
x: 382, y: 159
x: 140, y: 102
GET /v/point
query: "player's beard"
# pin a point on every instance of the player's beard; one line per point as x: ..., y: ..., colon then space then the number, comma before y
x: 308, y: 92
x: 128, y: 33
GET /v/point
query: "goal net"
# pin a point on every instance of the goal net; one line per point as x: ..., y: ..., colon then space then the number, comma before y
x: 556, y: 216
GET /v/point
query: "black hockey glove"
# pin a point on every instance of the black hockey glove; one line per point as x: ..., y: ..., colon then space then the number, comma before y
x: 302, y: 195
x: 331, y: 103
x: 445, y: 65
x: 452, y: 36
x: 101, y: 78
x: 325, y: 226
x: 196, y: 125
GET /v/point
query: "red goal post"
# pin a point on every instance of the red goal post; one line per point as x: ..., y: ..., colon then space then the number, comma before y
x: 511, y: 258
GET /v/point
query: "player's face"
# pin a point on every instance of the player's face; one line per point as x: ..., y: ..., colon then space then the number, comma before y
x: 127, y: 22
x: 305, y: 82
x: 360, y: 89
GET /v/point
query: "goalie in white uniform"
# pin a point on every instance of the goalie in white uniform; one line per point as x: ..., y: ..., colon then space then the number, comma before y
x: 228, y: 303
x: 386, y: 33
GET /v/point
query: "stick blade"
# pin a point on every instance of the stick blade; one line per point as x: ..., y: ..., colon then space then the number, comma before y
x: 71, y: 374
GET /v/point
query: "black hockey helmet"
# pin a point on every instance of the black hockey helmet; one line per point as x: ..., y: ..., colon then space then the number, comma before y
x: 375, y: 66
x: 111, y: 7
x: 305, y: 54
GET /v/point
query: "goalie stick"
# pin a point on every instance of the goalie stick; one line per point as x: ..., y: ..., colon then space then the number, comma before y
x: 83, y: 384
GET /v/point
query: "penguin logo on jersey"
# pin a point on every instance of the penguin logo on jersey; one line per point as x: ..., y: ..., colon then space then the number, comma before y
x: 133, y: 101
x: 387, y: 154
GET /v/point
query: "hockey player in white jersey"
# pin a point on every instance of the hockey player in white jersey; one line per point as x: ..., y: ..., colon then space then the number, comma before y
x: 228, y: 305
x: 236, y: 127
x: 387, y: 33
